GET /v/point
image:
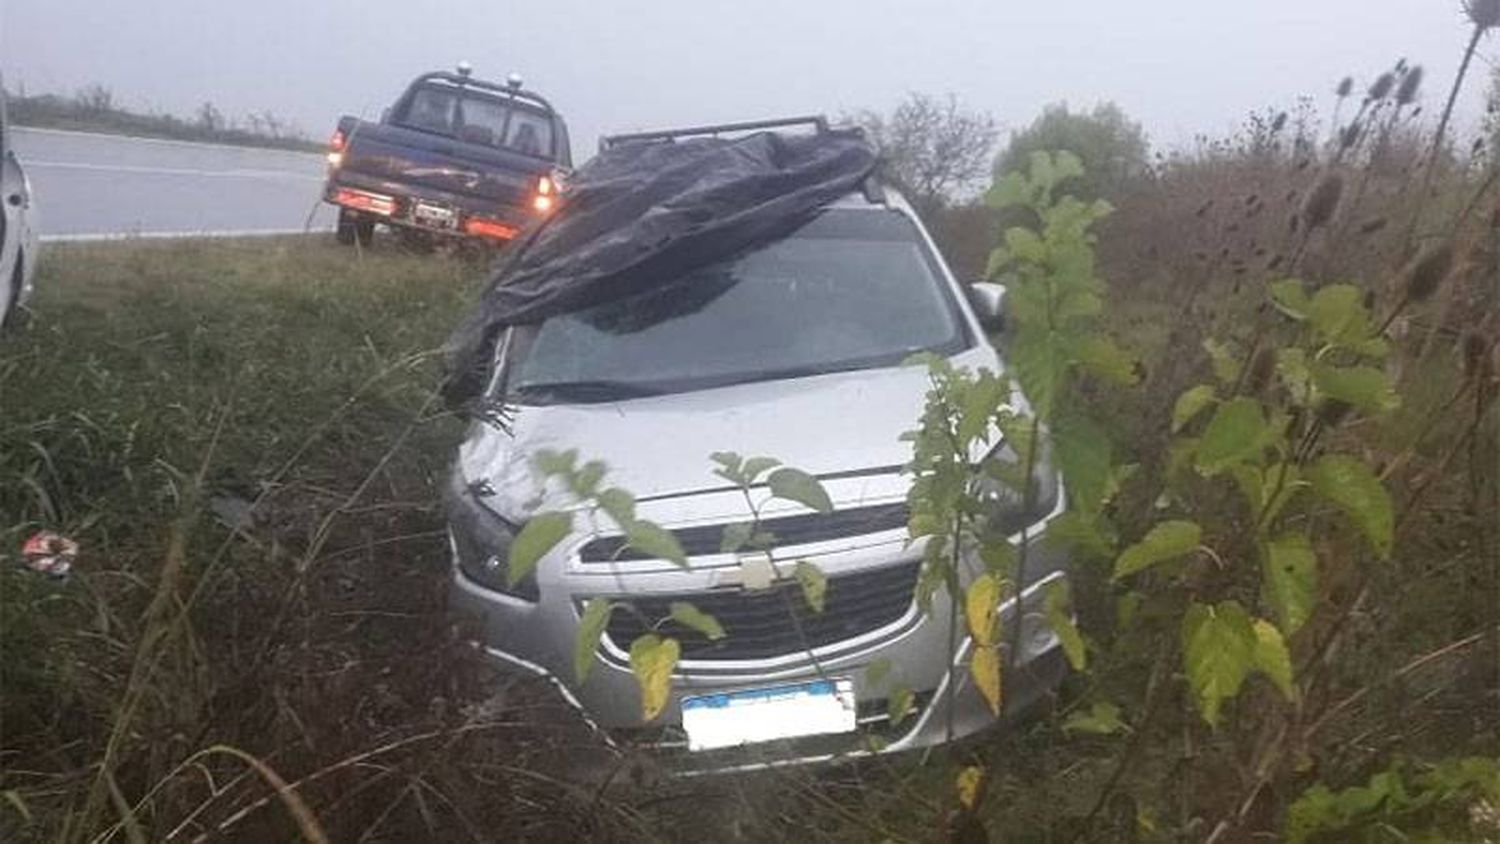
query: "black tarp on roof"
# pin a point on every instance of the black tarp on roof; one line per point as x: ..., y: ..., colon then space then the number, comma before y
x: 644, y: 213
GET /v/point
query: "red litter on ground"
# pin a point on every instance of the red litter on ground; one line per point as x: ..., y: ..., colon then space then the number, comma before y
x: 49, y: 553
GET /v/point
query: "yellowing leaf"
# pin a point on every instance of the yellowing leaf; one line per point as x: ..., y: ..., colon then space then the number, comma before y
x: 985, y: 666
x: 590, y: 629
x: 1225, y: 365
x: 1107, y: 360
x: 1060, y: 619
x: 540, y: 535
x: 981, y: 602
x: 1218, y: 650
x: 1166, y: 541
x: 1291, y: 580
x: 967, y: 784
x: 1351, y: 485
x: 1272, y: 658
x: 652, y: 659
x: 1190, y: 404
x: 1289, y: 297
x: 814, y: 584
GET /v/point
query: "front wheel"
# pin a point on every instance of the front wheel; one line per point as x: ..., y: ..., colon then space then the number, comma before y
x: 352, y: 228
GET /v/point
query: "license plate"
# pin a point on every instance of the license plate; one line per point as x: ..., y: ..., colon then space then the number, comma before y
x: 730, y: 719
x: 434, y: 215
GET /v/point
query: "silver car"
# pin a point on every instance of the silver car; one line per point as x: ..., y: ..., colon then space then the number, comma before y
x: 19, y: 245
x: 794, y: 350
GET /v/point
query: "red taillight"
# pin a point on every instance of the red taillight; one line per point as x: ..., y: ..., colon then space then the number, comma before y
x: 490, y: 228
x: 364, y: 201
x: 336, y: 148
x: 545, y: 197
x: 544, y: 186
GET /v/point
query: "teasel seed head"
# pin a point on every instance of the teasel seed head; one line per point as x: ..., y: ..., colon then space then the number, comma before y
x: 1346, y: 86
x: 1262, y: 367
x: 1411, y: 84
x: 1323, y: 201
x: 1427, y: 272
x: 1382, y: 86
x: 1485, y: 14
x: 1373, y: 225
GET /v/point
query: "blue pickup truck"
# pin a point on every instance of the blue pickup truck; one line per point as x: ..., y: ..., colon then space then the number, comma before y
x: 454, y: 157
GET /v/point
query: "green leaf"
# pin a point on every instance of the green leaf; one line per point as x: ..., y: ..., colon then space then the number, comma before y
x: 899, y: 704
x: 1041, y: 362
x: 757, y: 466
x: 1102, y: 719
x: 590, y: 629
x: 541, y: 534
x: 1337, y: 313
x: 1364, y: 387
x: 814, y: 584
x: 1226, y: 366
x: 586, y: 480
x: 1104, y: 358
x: 550, y: 462
x: 619, y: 505
x: 1060, y: 619
x: 735, y: 536
x: 999, y: 558
x: 1025, y: 245
x: 1011, y: 189
x: 1236, y: 433
x: 980, y: 401
x: 1190, y: 404
x: 1166, y: 541
x: 688, y: 615
x: 652, y: 659
x: 1075, y: 531
x: 1219, y: 645
x: 1291, y: 364
x: 655, y: 541
x: 1290, y: 297
x: 1291, y: 580
x: 796, y: 485
x: 1350, y: 484
x: 1083, y: 452
x: 1272, y: 658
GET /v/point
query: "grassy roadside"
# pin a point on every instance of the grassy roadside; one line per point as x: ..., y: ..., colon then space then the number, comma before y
x: 160, y: 388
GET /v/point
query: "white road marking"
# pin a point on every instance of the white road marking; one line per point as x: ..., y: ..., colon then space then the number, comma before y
x: 98, y: 237
x: 243, y: 173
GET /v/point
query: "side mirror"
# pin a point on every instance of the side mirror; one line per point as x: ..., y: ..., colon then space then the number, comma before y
x: 988, y: 301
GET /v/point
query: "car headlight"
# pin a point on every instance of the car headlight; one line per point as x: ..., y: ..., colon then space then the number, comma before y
x: 1005, y: 506
x: 481, y: 542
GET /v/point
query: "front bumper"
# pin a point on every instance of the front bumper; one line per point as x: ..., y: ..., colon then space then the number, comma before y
x: 538, y: 637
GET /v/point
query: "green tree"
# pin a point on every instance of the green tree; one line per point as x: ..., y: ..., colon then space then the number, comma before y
x: 932, y: 149
x: 1111, y: 146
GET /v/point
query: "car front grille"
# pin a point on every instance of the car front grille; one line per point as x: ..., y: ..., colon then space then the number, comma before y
x: 787, y: 530
x: 775, y: 621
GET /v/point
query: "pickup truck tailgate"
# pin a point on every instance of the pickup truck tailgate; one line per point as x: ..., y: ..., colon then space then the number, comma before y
x: 421, y: 160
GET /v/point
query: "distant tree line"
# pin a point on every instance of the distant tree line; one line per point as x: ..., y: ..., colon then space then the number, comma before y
x: 94, y: 109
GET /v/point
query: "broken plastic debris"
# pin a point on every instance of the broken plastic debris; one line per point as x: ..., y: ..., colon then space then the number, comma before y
x: 49, y: 553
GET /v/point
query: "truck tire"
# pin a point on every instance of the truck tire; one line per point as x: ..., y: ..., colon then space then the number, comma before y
x: 352, y: 227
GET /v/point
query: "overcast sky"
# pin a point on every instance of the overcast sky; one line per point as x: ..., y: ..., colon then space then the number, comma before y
x: 1179, y: 66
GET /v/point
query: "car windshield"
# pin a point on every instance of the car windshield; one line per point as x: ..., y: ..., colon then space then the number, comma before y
x: 478, y: 119
x: 853, y: 289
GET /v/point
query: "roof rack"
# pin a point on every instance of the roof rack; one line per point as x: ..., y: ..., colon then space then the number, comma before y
x: 817, y: 121
x: 511, y: 90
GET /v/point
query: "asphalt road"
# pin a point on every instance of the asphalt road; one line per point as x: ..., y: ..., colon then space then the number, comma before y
x: 91, y: 186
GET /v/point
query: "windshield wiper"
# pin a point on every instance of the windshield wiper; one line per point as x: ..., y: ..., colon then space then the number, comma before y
x: 587, y: 391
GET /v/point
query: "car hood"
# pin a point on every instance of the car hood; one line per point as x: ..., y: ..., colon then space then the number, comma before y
x: 835, y: 424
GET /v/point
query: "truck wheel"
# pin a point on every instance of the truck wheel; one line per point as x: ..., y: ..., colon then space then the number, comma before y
x: 351, y: 228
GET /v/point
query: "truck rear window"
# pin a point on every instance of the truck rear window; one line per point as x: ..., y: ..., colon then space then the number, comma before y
x: 475, y: 118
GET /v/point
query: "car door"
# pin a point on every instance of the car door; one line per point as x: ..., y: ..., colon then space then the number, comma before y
x: 12, y: 189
